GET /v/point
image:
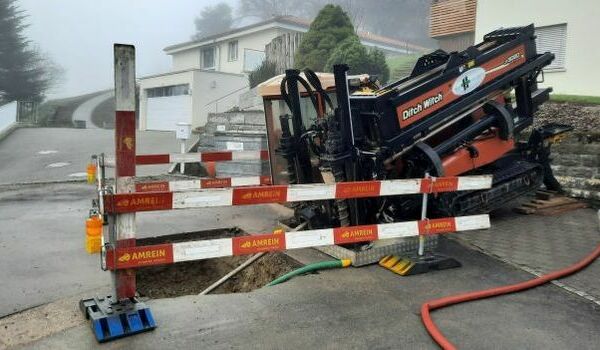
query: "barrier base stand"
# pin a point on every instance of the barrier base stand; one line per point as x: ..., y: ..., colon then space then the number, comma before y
x: 111, y: 320
x: 417, y: 264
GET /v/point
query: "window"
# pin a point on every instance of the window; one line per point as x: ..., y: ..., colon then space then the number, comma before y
x: 553, y: 39
x: 252, y: 59
x: 232, y: 51
x: 172, y: 90
x: 208, y: 58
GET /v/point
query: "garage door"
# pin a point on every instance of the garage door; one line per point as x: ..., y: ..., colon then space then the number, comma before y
x: 163, y: 113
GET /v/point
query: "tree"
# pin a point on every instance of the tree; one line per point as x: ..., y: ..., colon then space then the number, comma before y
x: 359, y: 59
x: 265, y: 9
x: 25, y: 73
x: 331, y: 26
x: 213, y: 19
x: 265, y: 71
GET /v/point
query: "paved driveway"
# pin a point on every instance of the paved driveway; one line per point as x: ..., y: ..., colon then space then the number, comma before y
x: 85, y: 110
x: 42, y: 231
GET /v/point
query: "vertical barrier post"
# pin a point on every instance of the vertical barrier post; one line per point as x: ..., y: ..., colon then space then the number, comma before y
x: 124, y: 233
x: 120, y: 314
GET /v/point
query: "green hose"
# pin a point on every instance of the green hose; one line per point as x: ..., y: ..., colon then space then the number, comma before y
x: 329, y: 264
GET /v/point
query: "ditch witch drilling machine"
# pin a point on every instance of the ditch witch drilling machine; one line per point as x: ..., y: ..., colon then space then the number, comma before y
x: 458, y: 113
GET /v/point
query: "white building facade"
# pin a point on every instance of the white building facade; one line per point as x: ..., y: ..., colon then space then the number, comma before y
x: 209, y: 74
x: 566, y: 28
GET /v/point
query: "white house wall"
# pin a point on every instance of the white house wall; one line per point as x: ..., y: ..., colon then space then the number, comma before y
x: 255, y: 41
x: 581, y: 75
x: 215, y: 92
x: 190, y: 58
x: 158, y: 81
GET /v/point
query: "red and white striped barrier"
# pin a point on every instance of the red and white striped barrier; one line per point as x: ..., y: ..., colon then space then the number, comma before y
x: 148, y: 159
x: 190, y: 185
x: 151, y: 201
x: 161, y: 254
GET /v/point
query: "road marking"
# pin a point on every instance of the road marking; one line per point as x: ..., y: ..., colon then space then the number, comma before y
x: 50, y: 151
x: 58, y: 165
x: 78, y: 175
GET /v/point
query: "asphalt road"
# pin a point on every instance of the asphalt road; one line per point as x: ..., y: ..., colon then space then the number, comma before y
x: 61, y: 154
x: 85, y: 110
x: 42, y: 230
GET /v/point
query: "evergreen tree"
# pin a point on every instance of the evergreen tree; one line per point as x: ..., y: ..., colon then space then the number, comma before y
x: 213, y: 19
x: 23, y: 71
x: 359, y: 59
x: 331, y: 26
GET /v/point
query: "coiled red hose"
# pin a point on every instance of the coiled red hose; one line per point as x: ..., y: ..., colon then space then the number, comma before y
x: 431, y: 305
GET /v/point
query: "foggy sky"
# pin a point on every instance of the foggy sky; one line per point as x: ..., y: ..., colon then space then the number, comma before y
x: 79, y: 34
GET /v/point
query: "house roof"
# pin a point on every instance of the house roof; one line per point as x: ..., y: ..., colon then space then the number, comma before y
x: 301, y: 24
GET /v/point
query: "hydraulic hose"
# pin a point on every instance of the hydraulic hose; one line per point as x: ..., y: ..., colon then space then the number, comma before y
x: 431, y: 305
x: 329, y: 264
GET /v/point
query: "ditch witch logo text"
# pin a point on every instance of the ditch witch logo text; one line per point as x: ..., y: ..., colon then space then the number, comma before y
x: 427, y: 102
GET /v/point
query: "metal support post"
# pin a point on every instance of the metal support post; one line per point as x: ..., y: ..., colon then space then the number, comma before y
x: 420, y: 262
x: 423, y: 217
x: 182, y: 164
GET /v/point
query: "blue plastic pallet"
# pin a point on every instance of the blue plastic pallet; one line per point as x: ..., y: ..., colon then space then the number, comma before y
x: 111, y: 320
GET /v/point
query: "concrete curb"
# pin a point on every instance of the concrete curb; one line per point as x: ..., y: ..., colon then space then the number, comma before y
x: 6, y: 132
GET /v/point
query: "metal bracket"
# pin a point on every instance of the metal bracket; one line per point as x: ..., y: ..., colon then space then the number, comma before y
x: 111, y: 320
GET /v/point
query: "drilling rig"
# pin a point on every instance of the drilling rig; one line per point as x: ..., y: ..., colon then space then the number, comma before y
x: 458, y: 113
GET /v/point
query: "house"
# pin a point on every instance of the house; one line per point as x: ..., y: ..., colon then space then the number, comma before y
x: 567, y: 29
x: 563, y: 28
x: 452, y: 23
x: 209, y: 74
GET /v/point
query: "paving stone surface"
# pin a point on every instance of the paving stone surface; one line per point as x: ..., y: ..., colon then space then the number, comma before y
x: 541, y: 244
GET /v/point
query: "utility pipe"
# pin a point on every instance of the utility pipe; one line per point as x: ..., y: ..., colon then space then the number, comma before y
x: 322, y: 265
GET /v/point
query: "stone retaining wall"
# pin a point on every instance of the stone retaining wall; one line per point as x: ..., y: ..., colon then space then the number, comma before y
x: 576, y: 165
x: 236, y: 130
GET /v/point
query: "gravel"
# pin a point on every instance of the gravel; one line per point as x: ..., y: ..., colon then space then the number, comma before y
x: 584, y: 118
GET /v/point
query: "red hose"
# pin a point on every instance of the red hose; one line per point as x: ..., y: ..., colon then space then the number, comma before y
x: 431, y: 305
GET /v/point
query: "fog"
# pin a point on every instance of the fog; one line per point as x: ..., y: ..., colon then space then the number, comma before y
x: 79, y: 34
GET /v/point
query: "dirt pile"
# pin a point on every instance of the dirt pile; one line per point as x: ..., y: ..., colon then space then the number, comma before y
x: 193, y: 277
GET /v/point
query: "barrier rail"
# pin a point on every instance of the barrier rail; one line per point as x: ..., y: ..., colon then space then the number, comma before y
x: 161, y: 254
x: 219, y: 156
x: 151, y: 201
x: 189, y: 185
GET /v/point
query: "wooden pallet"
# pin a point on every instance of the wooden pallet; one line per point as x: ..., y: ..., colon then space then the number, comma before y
x: 549, y: 203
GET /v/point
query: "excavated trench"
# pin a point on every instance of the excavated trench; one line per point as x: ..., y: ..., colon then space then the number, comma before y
x: 193, y: 277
